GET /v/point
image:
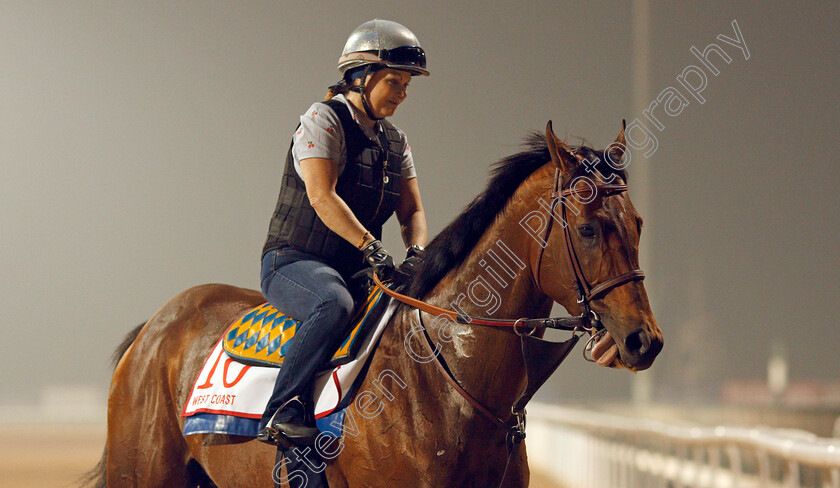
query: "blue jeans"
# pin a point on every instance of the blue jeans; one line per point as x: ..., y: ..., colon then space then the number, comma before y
x: 308, y: 289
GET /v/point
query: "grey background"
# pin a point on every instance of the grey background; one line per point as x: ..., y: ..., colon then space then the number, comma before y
x: 141, y: 147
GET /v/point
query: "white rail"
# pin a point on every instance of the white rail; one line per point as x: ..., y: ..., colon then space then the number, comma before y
x: 583, y: 449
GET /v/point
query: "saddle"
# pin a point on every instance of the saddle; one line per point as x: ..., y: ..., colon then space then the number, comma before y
x: 260, y: 337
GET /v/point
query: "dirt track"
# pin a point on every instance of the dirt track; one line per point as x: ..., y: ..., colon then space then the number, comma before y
x: 36, y: 456
x: 57, y: 456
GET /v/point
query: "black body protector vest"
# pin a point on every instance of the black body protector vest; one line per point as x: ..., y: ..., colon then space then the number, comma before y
x: 369, y: 184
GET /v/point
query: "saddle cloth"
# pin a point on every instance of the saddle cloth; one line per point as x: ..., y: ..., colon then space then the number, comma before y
x: 229, y: 397
x: 261, y: 336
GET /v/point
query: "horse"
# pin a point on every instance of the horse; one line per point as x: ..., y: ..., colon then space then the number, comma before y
x: 499, y: 258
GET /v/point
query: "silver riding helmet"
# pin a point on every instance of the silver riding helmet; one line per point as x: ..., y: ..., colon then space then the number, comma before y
x: 386, y: 43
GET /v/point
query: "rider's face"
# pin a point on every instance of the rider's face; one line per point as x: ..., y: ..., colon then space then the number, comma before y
x: 386, y: 89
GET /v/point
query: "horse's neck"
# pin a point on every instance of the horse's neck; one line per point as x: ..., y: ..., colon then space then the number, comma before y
x: 497, y: 279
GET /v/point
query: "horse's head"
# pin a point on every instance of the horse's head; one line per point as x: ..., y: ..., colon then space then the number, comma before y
x: 590, y: 262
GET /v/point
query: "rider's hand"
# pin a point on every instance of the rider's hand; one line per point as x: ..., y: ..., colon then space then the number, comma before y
x: 413, y: 257
x: 378, y: 258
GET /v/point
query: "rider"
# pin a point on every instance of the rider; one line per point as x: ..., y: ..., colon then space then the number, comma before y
x: 347, y: 171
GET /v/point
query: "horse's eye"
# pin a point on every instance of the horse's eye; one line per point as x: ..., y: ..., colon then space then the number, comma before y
x: 587, y: 231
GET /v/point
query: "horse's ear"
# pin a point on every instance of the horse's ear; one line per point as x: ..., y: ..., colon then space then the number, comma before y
x: 561, y: 154
x: 618, y: 147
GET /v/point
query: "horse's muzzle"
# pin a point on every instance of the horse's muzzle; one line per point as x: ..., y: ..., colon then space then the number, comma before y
x: 640, y: 349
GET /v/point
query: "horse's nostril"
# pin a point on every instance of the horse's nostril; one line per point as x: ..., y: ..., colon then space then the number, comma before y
x: 637, y: 341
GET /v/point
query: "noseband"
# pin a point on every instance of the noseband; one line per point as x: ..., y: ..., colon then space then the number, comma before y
x: 585, y: 291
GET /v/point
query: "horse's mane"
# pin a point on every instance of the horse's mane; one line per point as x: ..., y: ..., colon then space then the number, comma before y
x: 452, y: 245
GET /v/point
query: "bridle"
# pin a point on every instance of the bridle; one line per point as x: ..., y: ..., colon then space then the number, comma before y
x: 585, y: 291
x: 537, y: 368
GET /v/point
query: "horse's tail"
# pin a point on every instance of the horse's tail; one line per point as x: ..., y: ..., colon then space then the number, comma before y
x: 125, y: 344
x: 95, y: 478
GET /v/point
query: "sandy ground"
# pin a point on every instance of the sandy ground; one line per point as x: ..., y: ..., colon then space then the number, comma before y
x: 57, y: 456
x: 40, y: 456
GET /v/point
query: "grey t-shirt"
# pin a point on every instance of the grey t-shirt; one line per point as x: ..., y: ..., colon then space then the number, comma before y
x: 320, y: 135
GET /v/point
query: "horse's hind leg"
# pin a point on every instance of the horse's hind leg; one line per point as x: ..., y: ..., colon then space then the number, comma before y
x: 159, y: 467
x: 151, y: 384
x: 145, y: 446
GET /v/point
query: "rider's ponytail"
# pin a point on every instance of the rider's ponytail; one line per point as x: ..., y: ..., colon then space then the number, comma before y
x: 340, y: 88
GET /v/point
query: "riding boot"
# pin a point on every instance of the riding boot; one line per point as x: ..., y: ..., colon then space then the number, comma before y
x: 288, y: 426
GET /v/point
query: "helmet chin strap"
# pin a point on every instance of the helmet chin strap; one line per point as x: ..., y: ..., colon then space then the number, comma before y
x: 361, y: 90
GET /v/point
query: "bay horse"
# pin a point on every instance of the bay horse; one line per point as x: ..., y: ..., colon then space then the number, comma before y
x: 425, y: 434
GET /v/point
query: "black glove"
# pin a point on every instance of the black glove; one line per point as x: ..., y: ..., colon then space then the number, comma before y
x: 413, y: 257
x: 405, y: 272
x: 414, y: 251
x: 378, y: 258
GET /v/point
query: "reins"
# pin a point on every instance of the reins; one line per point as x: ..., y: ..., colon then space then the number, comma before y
x: 561, y: 323
x: 575, y: 324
